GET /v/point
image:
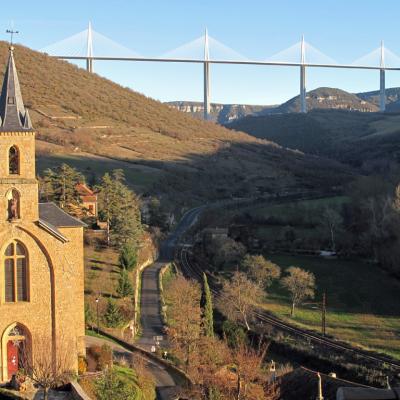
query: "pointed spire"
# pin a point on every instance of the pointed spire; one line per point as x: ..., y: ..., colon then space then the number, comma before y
x: 13, y: 115
x: 382, y: 55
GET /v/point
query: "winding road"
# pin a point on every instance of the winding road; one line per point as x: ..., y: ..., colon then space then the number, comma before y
x: 150, y: 305
x: 163, y: 380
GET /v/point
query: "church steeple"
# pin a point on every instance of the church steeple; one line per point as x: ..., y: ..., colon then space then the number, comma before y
x: 13, y: 115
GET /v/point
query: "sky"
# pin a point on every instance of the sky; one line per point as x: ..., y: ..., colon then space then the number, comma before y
x: 345, y: 30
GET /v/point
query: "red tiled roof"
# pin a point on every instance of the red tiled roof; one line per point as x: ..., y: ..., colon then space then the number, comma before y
x: 83, y: 190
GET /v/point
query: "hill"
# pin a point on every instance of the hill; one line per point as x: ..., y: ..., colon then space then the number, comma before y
x: 328, y: 98
x: 221, y: 113
x: 97, y: 125
x: 365, y: 140
x: 320, y: 98
x: 392, y: 98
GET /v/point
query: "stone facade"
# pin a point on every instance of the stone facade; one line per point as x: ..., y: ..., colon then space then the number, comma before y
x: 52, y: 310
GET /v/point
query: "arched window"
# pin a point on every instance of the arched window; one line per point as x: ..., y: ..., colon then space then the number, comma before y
x: 13, y: 204
x: 15, y: 273
x: 13, y: 160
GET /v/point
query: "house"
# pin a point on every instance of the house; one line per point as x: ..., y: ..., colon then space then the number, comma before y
x: 41, y: 251
x: 88, y: 199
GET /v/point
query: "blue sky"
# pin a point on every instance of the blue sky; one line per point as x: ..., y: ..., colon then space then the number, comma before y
x: 344, y: 30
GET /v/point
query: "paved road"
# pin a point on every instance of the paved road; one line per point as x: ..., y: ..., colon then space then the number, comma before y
x: 150, y: 306
x: 163, y: 380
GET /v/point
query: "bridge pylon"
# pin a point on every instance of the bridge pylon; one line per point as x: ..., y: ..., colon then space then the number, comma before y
x: 382, y: 88
x: 303, y: 100
x: 206, y: 103
x: 89, y: 49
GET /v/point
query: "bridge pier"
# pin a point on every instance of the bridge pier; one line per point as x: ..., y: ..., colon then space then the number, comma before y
x: 206, y: 103
x: 303, y: 100
x: 303, y: 93
x: 382, y: 91
x: 89, y: 64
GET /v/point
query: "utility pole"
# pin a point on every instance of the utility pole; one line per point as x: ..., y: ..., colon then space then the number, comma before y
x: 323, y: 311
x: 206, y: 103
x: 97, y: 314
x: 382, y: 91
x: 322, y: 307
x: 303, y: 101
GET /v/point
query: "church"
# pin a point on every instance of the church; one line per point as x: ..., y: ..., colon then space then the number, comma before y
x: 41, y: 250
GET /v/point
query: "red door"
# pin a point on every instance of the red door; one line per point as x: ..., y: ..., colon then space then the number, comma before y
x: 12, y: 358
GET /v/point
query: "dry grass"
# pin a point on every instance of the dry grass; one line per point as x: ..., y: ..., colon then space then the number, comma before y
x: 80, y: 116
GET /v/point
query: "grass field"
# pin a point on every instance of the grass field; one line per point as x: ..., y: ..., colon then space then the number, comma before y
x: 291, y: 210
x: 362, y: 302
x: 140, y: 178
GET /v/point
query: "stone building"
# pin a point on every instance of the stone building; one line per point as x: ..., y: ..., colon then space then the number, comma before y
x: 41, y: 251
x: 88, y: 199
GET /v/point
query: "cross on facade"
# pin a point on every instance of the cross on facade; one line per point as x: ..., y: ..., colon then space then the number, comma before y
x: 12, y: 33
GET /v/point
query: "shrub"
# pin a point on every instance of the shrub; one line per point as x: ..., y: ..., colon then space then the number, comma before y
x: 105, y: 357
x: 128, y: 257
x: 82, y: 365
x: 110, y: 386
x: 234, y: 334
x: 102, y: 355
x: 112, y: 316
x: 124, y: 288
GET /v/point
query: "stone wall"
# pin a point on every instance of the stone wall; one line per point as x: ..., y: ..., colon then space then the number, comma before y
x: 55, y: 307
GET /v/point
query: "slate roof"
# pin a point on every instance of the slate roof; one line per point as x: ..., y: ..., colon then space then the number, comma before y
x: 302, y: 383
x: 13, y: 115
x: 52, y: 230
x: 53, y: 215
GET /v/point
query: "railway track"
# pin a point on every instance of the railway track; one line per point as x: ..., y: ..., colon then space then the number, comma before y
x: 190, y: 269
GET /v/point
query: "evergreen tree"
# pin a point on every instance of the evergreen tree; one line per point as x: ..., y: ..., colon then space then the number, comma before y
x: 107, y: 201
x: 59, y: 185
x: 128, y: 257
x: 112, y: 316
x: 120, y: 209
x: 208, y: 317
x: 124, y: 288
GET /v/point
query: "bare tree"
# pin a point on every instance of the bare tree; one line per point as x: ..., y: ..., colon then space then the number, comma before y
x: 260, y: 270
x: 300, y: 284
x: 226, y: 251
x: 248, y: 364
x: 239, y: 297
x: 47, y: 370
x: 145, y: 379
x: 332, y: 220
x: 184, y: 317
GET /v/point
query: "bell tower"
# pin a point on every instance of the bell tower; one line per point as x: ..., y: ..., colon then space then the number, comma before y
x: 18, y: 184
